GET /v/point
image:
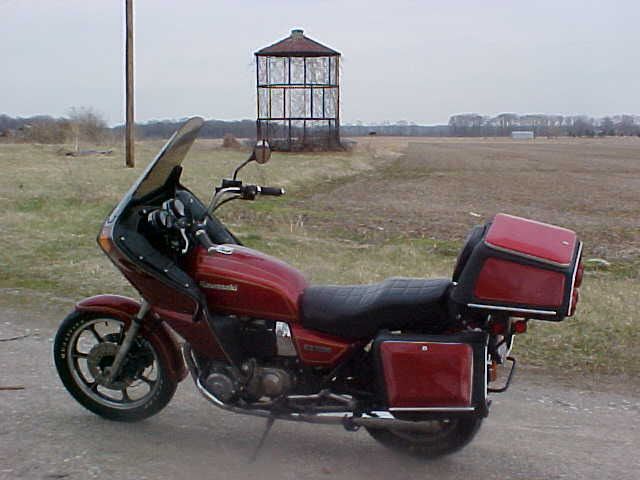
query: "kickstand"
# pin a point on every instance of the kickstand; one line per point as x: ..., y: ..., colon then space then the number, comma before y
x: 270, y: 421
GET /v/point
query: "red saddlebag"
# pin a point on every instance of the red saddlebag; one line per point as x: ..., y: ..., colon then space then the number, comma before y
x: 432, y: 373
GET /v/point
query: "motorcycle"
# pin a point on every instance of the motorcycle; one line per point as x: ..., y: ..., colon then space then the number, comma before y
x: 411, y: 360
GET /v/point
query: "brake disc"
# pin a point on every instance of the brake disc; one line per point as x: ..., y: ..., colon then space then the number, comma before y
x: 99, y: 359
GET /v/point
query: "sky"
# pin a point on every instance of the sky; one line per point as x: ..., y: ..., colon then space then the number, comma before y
x: 418, y: 61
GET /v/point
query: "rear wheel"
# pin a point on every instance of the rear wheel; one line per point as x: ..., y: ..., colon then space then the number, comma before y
x: 86, y: 344
x: 443, y: 437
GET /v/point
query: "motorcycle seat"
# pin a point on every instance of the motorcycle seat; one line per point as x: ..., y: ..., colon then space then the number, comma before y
x: 360, y: 311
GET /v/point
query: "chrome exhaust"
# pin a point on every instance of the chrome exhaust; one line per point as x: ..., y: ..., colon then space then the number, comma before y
x: 381, y: 420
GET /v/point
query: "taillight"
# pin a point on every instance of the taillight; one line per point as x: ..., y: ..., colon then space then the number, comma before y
x: 575, y: 293
x: 520, y: 326
x: 579, y: 274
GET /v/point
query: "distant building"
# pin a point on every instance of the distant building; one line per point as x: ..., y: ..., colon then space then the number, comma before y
x: 523, y: 135
x: 298, y: 93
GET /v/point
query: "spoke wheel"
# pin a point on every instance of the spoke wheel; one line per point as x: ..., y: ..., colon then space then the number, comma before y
x: 85, y: 347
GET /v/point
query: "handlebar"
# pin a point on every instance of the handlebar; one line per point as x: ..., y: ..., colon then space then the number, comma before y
x: 231, y: 189
x: 274, y: 191
x: 250, y: 192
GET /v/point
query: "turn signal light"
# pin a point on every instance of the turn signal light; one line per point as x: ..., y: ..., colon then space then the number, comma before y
x: 105, y: 241
x: 493, y: 371
x: 520, y: 326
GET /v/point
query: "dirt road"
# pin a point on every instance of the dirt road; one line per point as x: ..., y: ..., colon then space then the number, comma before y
x: 537, y: 430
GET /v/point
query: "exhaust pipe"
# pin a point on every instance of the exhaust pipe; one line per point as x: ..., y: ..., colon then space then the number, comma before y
x: 391, y: 423
x: 347, y: 420
x: 327, y: 419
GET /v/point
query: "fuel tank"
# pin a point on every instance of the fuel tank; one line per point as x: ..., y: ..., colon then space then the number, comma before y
x: 247, y: 282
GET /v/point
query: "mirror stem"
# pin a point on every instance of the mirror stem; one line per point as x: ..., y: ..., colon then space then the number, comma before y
x: 243, y: 164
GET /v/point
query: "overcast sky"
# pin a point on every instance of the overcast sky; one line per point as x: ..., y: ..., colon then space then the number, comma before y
x: 419, y: 61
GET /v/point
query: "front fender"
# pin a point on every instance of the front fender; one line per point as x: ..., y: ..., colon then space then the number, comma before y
x: 156, y: 332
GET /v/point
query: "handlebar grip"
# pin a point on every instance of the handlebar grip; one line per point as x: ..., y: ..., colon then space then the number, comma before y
x: 274, y: 191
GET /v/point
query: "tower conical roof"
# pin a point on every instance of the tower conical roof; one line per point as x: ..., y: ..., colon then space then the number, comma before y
x: 297, y: 45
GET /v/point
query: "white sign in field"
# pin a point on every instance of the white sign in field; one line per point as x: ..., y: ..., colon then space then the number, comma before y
x: 523, y: 135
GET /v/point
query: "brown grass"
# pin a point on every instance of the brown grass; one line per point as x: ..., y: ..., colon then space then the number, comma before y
x: 440, y: 188
x: 392, y: 206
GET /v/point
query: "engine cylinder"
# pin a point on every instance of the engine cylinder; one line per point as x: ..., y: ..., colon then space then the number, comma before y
x: 221, y: 386
x: 271, y: 382
x: 275, y: 382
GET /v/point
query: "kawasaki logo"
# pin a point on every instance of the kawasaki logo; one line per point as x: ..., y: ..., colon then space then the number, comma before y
x: 317, y: 348
x: 219, y: 286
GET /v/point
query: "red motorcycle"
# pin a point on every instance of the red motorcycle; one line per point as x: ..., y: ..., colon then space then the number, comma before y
x: 411, y: 360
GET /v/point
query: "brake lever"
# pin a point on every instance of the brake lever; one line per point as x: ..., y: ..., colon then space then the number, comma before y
x: 186, y: 241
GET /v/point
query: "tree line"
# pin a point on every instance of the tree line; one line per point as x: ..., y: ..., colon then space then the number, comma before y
x: 81, y: 125
x: 476, y: 125
x: 85, y: 125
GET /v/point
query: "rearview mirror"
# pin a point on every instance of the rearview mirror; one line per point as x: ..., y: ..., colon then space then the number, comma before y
x: 262, y: 152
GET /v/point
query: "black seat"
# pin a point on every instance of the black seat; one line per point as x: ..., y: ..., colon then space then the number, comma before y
x: 359, y: 311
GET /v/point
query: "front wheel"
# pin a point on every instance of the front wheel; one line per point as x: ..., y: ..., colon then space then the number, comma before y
x: 444, y: 437
x: 86, y: 345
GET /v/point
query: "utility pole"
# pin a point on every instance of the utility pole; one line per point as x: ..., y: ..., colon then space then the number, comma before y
x: 130, y: 122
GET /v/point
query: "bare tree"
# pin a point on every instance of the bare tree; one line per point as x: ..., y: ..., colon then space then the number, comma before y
x: 626, y: 126
x: 86, y: 124
x: 607, y: 127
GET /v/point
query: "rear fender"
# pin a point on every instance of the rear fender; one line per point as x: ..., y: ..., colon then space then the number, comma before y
x: 125, y: 309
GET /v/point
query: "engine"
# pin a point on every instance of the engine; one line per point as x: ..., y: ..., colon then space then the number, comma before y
x: 256, y: 382
x: 264, y: 381
x: 262, y: 374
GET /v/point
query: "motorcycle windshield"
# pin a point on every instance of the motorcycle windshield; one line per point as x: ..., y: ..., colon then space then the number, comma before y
x: 158, y: 171
x: 169, y: 157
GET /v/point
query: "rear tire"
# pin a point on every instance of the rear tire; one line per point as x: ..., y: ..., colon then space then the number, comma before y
x: 86, y: 344
x: 449, y: 436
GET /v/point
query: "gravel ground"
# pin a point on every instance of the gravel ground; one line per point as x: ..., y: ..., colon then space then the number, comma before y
x: 539, y: 429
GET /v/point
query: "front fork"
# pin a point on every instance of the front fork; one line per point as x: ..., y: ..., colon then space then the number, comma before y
x: 113, y: 371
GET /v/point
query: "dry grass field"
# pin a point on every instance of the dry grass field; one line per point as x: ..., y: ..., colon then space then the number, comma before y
x: 393, y: 206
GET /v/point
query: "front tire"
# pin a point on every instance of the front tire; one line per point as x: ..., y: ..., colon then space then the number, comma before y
x: 448, y: 436
x: 86, y: 344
